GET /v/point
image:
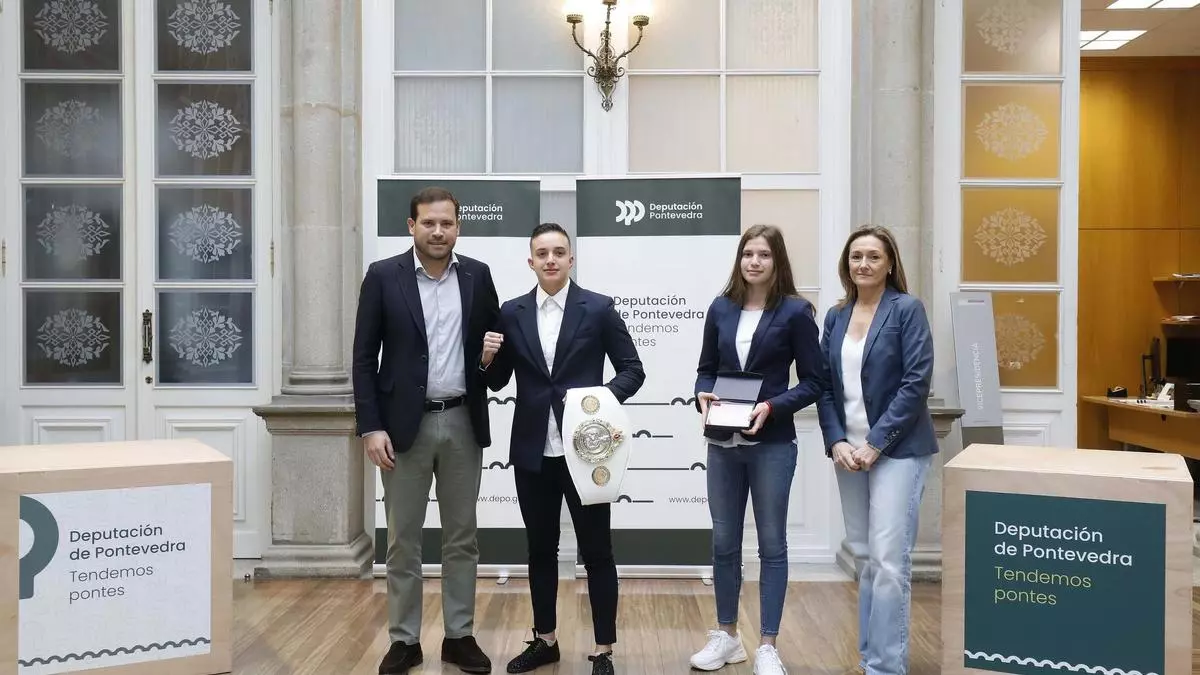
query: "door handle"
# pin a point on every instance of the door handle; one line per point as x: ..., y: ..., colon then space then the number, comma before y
x: 147, y: 336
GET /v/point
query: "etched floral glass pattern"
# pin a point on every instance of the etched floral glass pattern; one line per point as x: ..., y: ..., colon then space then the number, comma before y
x: 205, y: 35
x: 1012, y: 131
x: 72, y: 129
x: 72, y: 232
x: 72, y: 337
x: 205, y: 234
x: 1010, y: 234
x: 1012, y: 36
x: 204, y: 129
x: 71, y: 35
x: 1019, y: 341
x: 1027, y: 338
x: 205, y: 337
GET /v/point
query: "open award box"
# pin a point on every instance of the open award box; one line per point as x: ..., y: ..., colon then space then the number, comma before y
x: 737, y: 394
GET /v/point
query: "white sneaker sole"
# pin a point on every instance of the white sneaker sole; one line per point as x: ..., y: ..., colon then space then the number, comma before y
x: 739, y: 656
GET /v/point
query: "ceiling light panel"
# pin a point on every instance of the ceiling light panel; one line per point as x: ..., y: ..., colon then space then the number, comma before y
x: 1125, y: 35
x: 1177, y: 4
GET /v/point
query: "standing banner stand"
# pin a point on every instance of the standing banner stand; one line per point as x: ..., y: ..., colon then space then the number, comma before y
x: 978, y: 367
x: 663, y: 248
x: 496, y: 216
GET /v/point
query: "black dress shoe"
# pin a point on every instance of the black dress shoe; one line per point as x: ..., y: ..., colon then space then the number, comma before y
x: 400, y: 658
x: 536, y: 655
x: 465, y: 653
x: 602, y: 664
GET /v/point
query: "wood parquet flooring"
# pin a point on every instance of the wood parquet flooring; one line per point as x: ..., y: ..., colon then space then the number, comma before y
x: 335, y: 627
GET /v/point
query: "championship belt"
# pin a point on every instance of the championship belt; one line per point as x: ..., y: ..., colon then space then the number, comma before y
x: 597, y: 439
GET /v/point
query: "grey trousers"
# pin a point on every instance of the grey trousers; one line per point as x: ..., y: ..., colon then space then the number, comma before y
x: 445, y: 447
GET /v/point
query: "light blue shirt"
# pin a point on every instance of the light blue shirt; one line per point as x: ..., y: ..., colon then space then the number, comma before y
x: 441, y: 304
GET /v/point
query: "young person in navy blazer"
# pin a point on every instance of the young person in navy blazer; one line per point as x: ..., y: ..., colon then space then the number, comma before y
x: 878, y: 352
x: 556, y: 338
x: 761, y: 325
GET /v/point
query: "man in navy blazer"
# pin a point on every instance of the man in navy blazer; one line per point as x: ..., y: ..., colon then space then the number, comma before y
x: 422, y: 412
x: 555, y: 338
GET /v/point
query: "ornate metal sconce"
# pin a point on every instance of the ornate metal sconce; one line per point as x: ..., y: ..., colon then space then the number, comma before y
x: 605, y: 68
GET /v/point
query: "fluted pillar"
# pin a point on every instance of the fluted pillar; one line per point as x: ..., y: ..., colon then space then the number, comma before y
x: 317, y: 468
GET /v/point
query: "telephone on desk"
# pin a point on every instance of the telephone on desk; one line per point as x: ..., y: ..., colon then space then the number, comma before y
x: 1165, y: 394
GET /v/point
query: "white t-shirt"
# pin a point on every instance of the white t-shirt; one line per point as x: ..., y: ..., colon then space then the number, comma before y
x: 857, y: 426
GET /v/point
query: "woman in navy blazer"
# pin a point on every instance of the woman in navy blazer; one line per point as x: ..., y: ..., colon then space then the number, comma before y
x: 878, y: 355
x: 761, y: 325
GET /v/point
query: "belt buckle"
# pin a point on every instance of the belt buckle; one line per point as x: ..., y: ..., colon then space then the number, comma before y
x: 440, y: 402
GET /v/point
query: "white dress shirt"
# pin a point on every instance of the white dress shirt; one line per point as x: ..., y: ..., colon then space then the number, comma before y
x: 441, y: 305
x: 549, y: 321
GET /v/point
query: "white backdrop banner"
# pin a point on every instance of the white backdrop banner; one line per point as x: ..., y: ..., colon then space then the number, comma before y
x: 663, y: 248
x: 496, y: 216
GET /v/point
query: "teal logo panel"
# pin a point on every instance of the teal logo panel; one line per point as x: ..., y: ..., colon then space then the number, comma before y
x: 1062, y: 584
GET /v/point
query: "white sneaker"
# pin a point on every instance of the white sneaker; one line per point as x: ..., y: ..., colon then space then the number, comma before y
x: 721, y: 650
x: 767, y: 661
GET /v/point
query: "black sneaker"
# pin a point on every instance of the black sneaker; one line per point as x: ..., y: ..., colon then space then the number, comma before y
x: 400, y: 658
x: 465, y: 653
x: 602, y: 664
x: 536, y: 655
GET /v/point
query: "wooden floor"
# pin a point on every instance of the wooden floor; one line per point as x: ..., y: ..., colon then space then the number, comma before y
x: 340, y: 627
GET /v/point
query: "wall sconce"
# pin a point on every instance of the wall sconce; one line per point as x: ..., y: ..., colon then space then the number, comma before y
x: 605, y: 69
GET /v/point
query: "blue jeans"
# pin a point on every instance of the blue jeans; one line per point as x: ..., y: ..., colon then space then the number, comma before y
x: 764, y: 473
x: 880, y: 508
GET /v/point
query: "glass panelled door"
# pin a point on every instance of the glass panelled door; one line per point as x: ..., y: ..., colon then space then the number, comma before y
x: 205, y: 241
x: 70, y: 224
x: 146, y: 243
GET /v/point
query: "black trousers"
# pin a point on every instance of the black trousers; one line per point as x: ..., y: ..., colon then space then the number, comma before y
x: 540, y: 496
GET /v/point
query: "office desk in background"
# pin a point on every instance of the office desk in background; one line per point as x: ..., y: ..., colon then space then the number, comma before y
x: 1157, y: 426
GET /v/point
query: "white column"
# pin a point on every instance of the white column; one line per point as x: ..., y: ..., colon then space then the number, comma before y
x: 315, y: 222
x: 318, y: 491
x: 892, y: 171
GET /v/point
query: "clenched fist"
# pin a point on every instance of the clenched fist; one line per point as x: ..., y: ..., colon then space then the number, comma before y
x: 491, y: 345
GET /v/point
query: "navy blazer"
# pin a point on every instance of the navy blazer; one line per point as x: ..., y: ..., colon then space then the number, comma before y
x: 591, y: 329
x: 390, y: 395
x: 896, y: 372
x: 786, y: 333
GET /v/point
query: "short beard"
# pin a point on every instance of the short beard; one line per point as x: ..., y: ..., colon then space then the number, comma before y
x: 430, y: 254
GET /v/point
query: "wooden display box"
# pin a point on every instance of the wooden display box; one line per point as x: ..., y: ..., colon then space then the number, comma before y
x: 1058, y: 560
x: 116, y: 558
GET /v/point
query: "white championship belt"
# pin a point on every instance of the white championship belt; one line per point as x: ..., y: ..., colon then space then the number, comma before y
x: 597, y: 440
